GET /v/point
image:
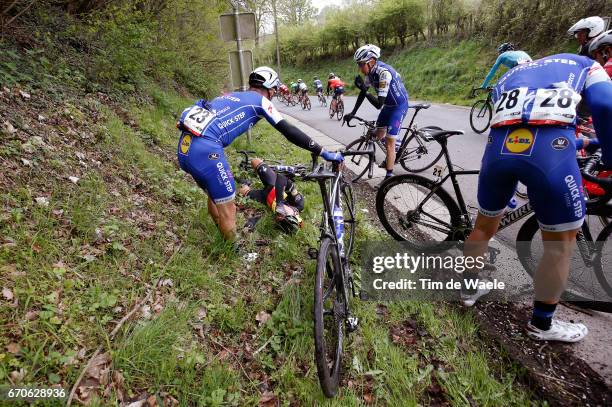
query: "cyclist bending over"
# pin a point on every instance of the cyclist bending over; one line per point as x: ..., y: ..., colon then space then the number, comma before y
x: 208, y: 127
x: 392, y: 98
x: 507, y: 57
x: 532, y: 141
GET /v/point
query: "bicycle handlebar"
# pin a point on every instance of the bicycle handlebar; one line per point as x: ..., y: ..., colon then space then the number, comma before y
x: 588, y: 167
x: 367, y: 123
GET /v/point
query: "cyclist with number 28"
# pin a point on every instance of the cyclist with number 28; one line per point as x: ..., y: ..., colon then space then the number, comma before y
x: 507, y: 57
x: 532, y: 141
x: 391, y: 98
x: 208, y: 127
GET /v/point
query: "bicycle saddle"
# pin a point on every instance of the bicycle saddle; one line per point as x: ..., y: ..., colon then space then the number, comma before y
x: 442, y: 135
x: 420, y: 106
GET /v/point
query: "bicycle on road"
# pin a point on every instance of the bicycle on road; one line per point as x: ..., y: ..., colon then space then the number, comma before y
x: 417, y: 152
x: 322, y: 99
x: 336, y: 109
x: 420, y: 211
x: 305, y: 101
x: 482, y: 110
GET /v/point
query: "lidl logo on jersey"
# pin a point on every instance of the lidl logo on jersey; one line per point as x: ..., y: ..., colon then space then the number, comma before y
x: 519, y: 141
x: 185, y: 143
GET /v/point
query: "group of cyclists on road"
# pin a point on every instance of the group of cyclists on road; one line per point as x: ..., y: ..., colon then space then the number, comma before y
x: 299, y: 90
x: 531, y: 141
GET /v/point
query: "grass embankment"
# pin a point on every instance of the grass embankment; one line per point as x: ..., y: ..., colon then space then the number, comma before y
x: 444, y: 73
x: 130, y: 232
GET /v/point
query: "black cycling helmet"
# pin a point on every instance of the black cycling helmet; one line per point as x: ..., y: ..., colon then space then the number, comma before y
x: 506, y: 46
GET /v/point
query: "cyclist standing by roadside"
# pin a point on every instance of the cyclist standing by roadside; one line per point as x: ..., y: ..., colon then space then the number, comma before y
x: 335, y: 84
x: 531, y: 141
x: 601, y: 50
x: 391, y: 97
x: 208, y: 127
x: 507, y: 57
x: 585, y: 30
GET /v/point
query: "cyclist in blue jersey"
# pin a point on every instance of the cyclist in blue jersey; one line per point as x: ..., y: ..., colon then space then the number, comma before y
x: 532, y: 141
x: 318, y: 85
x: 208, y: 127
x: 391, y: 97
x: 507, y: 57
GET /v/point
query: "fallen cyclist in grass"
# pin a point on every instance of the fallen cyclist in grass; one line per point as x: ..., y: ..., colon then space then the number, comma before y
x: 279, y: 193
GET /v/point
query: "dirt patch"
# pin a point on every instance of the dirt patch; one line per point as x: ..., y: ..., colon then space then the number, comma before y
x: 552, y: 371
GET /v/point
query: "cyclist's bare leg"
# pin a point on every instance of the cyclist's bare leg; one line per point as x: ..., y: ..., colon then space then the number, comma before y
x: 484, y: 229
x: 389, y: 144
x: 552, y: 272
x: 212, y: 211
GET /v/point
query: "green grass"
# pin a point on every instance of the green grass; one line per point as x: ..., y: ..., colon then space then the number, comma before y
x: 78, y: 265
x: 439, y: 73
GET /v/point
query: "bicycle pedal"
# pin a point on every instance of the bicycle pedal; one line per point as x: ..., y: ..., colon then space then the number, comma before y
x: 352, y: 323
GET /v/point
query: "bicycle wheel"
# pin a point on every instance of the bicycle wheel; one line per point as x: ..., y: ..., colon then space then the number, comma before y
x: 421, y: 152
x: 358, y: 164
x: 308, y: 104
x: 415, y: 209
x: 480, y: 116
x: 332, y: 112
x: 340, y: 110
x: 329, y: 302
x: 583, y: 291
x: 348, y: 209
x: 603, y: 257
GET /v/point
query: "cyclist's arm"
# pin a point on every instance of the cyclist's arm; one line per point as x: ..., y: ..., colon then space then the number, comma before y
x: 360, y: 98
x: 376, y: 101
x: 492, y: 72
x: 598, y: 96
x: 291, y: 133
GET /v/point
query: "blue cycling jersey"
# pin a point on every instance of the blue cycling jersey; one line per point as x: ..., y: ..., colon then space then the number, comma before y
x: 318, y: 84
x: 533, y: 133
x: 226, y: 117
x: 509, y: 59
x: 388, y: 83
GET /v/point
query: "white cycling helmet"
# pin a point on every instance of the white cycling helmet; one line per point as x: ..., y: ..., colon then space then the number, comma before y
x: 264, y: 76
x: 602, y: 40
x: 363, y: 54
x: 595, y: 26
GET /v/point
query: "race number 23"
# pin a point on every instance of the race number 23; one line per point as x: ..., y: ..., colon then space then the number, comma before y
x: 197, y: 119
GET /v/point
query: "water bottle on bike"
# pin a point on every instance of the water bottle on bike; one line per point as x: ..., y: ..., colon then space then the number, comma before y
x: 339, y: 223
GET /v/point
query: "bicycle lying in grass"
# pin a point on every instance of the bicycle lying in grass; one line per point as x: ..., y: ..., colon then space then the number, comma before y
x: 417, y: 152
x: 414, y: 208
x: 482, y: 111
x: 334, y: 285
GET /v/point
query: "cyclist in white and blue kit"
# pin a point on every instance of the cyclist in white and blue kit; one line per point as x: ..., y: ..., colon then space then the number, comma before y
x: 532, y: 140
x: 208, y: 127
x: 391, y: 97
